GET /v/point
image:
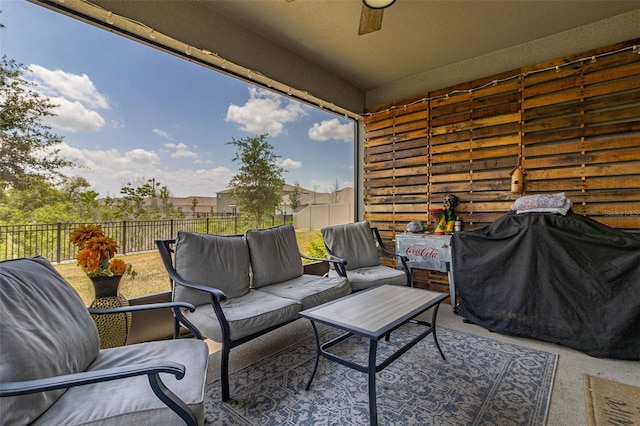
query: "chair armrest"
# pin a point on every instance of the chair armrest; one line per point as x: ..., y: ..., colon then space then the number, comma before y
x: 88, y: 377
x: 339, y: 263
x: 147, y: 307
x: 175, y: 307
x: 151, y: 369
x: 403, y: 259
x: 333, y: 259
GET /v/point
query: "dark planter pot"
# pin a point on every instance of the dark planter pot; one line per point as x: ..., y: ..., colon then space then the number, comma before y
x: 112, y: 328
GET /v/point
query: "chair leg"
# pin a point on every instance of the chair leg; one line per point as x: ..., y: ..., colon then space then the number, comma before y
x: 224, y: 372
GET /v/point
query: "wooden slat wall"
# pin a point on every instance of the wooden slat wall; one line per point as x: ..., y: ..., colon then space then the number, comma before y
x: 581, y: 135
x: 574, y: 129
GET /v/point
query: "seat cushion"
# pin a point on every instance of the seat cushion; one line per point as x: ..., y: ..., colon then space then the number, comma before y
x: 212, y: 260
x: 131, y: 401
x: 275, y: 256
x: 45, y: 330
x: 310, y: 290
x: 362, y: 278
x: 353, y: 242
x: 248, y: 314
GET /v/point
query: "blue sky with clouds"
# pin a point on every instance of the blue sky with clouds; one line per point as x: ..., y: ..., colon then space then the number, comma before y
x: 128, y: 111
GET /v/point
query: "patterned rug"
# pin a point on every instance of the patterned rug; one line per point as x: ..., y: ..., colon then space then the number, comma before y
x: 482, y: 382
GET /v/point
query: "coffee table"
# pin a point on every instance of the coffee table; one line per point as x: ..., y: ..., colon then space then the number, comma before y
x: 373, y: 314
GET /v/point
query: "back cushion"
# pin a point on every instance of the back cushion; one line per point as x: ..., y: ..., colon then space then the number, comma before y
x: 211, y: 260
x: 45, y: 331
x: 353, y: 242
x: 275, y: 256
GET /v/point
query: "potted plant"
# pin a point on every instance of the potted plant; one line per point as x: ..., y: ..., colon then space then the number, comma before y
x: 96, y: 258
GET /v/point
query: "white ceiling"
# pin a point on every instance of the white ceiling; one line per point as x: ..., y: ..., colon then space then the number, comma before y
x: 314, y: 46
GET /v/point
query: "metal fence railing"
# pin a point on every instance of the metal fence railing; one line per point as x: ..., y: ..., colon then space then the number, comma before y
x: 52, y: 240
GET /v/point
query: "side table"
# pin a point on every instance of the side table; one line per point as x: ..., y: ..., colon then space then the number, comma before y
x: 430, y: 252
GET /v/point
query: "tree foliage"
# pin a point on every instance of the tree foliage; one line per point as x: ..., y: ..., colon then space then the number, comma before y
x: 257, y: 186
x: 141, y: 200
x: 294, y: 196
x: 27, y: 146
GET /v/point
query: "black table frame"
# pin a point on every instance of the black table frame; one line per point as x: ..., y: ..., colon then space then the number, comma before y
x: 372, y: 367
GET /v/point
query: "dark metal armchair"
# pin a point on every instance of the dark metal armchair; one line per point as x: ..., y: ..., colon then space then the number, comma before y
x: 52, y: 370
x: 360, y: 248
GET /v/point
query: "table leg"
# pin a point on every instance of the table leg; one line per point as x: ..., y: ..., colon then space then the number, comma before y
x: 433, y: 329
x: 373, y: 409
x: 452, y: 290
x: 315, y: 367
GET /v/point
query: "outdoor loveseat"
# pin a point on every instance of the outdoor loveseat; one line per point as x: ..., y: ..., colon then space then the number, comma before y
x: 243, y: 286
x: 53, y: 372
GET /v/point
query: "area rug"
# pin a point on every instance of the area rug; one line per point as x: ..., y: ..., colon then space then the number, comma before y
x: 611, y: 403
x: 482, y: 382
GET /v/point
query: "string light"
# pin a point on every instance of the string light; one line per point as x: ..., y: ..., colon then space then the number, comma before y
x: 556, y: 68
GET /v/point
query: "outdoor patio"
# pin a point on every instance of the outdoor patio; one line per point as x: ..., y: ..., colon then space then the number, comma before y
x: 567, y: 404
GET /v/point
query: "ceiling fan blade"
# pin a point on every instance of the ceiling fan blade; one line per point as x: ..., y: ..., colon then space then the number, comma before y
x: 370, y: 20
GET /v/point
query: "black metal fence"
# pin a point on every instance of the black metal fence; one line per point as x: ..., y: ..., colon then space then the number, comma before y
x: 52, y: 240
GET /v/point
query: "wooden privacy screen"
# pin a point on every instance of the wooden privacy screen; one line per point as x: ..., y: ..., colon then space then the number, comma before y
x: 572, y: 124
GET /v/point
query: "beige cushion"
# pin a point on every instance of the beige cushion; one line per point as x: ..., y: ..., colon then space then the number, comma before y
x: 353, y: 242
x: 275, y: 256
x: 45, y: 330
x: 211, y: 260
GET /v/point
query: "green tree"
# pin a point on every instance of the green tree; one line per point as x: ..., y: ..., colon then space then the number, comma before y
x: 40, y: 201
x: 258, y: 184
x: 294, y: 196
x: 143, y: 200
x: 27, y: 147
x: 78, y: 192
x: 194, y: 204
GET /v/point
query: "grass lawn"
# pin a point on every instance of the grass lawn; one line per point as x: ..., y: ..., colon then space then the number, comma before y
x: 152, y: 277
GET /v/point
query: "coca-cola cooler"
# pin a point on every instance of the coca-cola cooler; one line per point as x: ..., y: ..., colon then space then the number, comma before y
x: 427, y: 251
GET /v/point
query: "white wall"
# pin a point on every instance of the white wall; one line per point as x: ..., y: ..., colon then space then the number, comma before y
x: 317, y: 216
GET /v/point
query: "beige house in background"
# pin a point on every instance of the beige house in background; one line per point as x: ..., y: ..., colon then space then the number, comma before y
x: 225, y: 204
x: 203, y: 206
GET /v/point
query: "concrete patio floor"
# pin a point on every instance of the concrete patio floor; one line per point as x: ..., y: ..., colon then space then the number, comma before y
x: 567, y: 407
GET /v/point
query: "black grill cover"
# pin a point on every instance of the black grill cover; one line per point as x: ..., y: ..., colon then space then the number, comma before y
x: 563, y: 279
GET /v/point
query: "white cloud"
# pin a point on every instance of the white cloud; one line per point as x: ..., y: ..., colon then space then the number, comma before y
x: 180, y: 150
x: 73, y: 86
x: 265, y: 112
x: 162, y: 134
x: 289, y: 163
x: 73, y: 116
x: 332, y: 129
x: 76, y: 98
x: 106, y: 170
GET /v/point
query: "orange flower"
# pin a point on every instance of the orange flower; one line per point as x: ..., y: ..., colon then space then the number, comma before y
x: 97, y: 251
x: 118, y: 267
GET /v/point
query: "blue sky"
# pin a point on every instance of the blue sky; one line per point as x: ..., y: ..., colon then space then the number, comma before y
x: 128, y: 111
